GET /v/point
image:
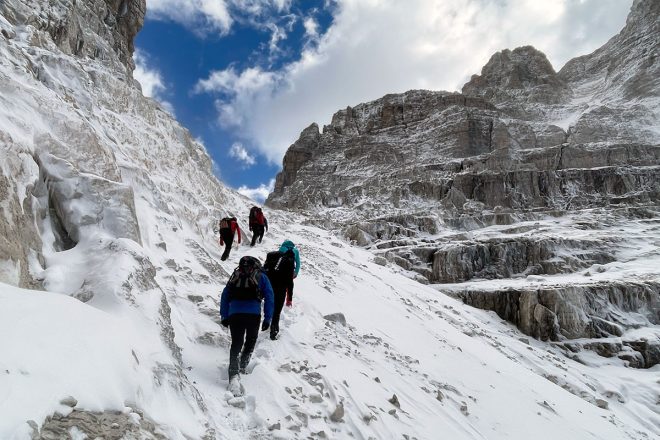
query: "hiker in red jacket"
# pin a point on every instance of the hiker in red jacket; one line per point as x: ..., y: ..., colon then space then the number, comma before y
x: 228, y: 226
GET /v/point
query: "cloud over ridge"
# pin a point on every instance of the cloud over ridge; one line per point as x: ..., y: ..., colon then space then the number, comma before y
x: 377, y: 47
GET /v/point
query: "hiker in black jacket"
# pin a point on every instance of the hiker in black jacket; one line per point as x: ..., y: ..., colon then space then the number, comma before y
x: 281, y: 267
x: 258, y: 224
x: 228, y: 227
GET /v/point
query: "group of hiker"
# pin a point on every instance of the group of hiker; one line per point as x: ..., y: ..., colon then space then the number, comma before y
x: 228, y: 228
x: 252, y: 284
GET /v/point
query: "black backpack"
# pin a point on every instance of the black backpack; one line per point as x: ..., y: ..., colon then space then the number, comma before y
x: 244, y: 281
x: 279, y: 266
x: 225, y: 223
x: 253, y: 215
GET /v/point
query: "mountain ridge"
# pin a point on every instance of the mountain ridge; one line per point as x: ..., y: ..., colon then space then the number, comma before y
x: 442, y: 192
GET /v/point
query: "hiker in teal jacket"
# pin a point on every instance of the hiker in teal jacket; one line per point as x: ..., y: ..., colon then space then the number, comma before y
x: 289, y: 246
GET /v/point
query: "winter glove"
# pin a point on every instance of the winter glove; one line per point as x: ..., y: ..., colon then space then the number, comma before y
x: 289, y: 303
x: 265, y: 326
x: 225, y: 322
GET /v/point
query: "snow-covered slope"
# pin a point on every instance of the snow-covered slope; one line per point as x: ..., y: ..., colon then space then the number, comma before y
x: 456, y: 372
x: 110, y: 277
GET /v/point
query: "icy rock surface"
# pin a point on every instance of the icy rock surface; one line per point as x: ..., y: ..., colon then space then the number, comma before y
x: 547, y: 178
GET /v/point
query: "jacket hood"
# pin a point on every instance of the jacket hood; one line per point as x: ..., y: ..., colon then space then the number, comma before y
x: 288, y: 244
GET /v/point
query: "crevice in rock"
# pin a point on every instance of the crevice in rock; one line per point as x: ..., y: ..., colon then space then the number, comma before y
x: 51, y: 211
x: 63, y: 241
x: 123, y: 9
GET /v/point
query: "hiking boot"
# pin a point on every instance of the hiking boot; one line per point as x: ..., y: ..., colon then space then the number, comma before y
x: 273, y: 335
x: 245, y: 360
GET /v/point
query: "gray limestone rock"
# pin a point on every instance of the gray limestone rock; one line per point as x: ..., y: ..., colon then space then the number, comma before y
x: 111, y: 425
x: 102, y: 29
x: 572, y: 311
x: 380, y: 261
x: 339, y: 318
x: 69, y: 401
x: 338, y: 414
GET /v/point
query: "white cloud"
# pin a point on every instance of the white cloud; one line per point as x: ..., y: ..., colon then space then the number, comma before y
x: 200, y: 16
x: 259, y: 193
x: 245, y: 87
x: 311, y: 28
x: 212, y: 16
x: 238, y: 152
x: 150, y: 80
x: 377, y: 47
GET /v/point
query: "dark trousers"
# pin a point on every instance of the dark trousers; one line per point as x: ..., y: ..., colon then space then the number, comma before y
x: 244, y: 328
x: 228, y: 238
x: 282, y: 292
x: 280, y: 296
x: 257, y: 232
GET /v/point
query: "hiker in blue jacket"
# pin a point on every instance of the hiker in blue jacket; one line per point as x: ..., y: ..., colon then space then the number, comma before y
x: 240, y: 310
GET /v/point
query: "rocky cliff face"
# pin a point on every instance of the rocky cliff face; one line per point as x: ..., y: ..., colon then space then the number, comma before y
x: 86, y: 210
x: 458, y: 189
x: 97, y: 29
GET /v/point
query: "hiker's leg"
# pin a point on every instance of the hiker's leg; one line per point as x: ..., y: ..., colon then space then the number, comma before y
x: 228, y: 238
x: 254, y: 236
x: 237, y: 327
x: 261, y: 233
x: 280, y: 296
x: 252, y: 331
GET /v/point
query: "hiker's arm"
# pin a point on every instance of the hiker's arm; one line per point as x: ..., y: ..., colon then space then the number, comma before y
x: 297, y: 254
x: 224, y: 304
x: 266, y: 223
x: 289, y: 293
x: 267, y: 291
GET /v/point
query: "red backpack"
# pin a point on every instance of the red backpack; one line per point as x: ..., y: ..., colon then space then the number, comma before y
x: 259, y: 217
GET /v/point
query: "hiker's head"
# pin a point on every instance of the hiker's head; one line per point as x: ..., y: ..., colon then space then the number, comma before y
x: 288, y: 244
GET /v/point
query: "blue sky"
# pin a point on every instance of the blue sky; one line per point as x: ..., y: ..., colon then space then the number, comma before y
x: 246, y: 76
x: 182, y: 56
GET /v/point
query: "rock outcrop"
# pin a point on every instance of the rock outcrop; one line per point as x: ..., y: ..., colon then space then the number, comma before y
x: 502, y: 180
x: 98, y: 29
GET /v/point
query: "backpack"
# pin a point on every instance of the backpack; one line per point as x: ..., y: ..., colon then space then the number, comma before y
x: 279, y: 266
x: 225, y: 223
x: 259, y: 218
x: 244, y: 281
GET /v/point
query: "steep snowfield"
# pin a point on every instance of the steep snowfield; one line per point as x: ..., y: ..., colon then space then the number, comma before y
x: 457, y: 372
x: 109, y: 204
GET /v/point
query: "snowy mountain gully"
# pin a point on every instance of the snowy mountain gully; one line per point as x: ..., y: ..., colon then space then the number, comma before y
x: 475, y: 265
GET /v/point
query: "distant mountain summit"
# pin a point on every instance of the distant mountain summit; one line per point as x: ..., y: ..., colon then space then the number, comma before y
x: 496, y: 182
x: 518, y: 116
